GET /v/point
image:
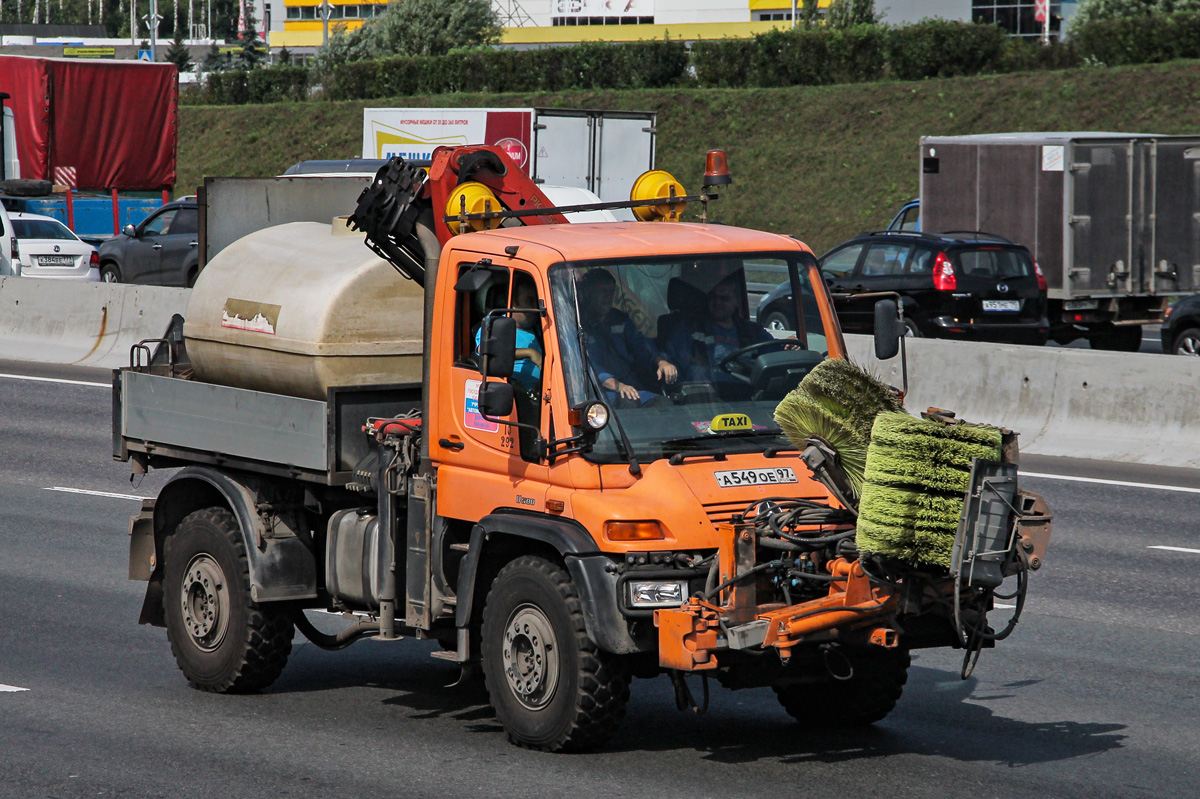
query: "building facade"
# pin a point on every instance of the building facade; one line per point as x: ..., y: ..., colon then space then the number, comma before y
x: 532, y: 23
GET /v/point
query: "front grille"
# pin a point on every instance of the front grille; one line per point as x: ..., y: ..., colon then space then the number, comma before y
x: 720, y: 512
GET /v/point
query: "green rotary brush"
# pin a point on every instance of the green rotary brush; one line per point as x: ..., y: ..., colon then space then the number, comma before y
x: 837, y: 402
x: 916, y: 473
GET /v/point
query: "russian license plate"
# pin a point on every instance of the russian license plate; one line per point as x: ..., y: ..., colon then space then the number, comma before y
x: 1001, y: 305
x: 755, y: 477
x: 56, y: 260
x: 1080, y: 305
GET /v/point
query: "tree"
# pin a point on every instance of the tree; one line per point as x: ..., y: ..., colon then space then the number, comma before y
x: 285, y: 56
x: 414, y: 27
x: 848, y: 13
x: 178, y: 55
x: 252, y: 53
x: 214, y: 60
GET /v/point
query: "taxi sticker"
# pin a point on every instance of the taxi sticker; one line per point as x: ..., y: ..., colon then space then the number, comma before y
x: 730, y: 421
x: 472, y: 418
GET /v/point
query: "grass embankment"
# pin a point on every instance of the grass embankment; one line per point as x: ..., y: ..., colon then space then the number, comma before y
x: 822, y: 163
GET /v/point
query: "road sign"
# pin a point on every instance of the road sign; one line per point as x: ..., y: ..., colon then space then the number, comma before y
x: 144, y: 55
x: 1041, y: 10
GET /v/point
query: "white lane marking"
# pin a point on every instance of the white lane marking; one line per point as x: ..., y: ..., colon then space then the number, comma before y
x: 11, y: 689
x: 1184, y: 489
x: 1177, y: 549
x: 56, y: 380
x: 96, y: 493
x: 1004, y: 607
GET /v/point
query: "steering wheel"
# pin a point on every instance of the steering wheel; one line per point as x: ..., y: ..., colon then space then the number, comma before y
x: 738, y: 357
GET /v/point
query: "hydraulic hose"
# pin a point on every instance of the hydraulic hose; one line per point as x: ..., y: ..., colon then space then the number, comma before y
x: 341, y: 640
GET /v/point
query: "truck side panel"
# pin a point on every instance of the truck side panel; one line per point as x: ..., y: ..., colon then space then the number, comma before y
x: 1175, y: 257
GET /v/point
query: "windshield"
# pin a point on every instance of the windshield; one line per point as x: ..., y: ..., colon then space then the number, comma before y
x: 670, y: 346
x: 41, y: 229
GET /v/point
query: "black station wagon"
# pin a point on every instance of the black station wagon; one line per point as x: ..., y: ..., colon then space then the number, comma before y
x: 967, y: 285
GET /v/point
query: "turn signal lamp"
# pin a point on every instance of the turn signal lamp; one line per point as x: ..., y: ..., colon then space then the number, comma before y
x: 633, y: 531
x: 716, y: 169
x: 472, y: 198
x: 655, y: 185
x: 943, y: 274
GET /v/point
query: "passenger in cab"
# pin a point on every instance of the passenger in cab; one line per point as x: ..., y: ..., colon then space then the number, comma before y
x: 527, y: 369
x: 710, y: 338
x: 626, y: 362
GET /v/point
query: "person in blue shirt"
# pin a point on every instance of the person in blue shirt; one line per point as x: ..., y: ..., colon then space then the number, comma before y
x: 700, y: 347
x: 626, y: 362
x: 527, y: 369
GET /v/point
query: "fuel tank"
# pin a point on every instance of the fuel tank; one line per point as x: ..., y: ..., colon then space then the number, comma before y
x: 297, y: 308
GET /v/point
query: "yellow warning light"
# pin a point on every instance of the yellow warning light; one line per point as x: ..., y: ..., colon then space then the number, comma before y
x: 657, y: 184
x: 472, y: 198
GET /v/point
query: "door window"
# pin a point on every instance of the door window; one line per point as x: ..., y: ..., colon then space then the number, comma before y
x: 186, y: 222
x: 885, y: 260
x: 922, y: 261
x: 841, y: 263
x: 159, y: 224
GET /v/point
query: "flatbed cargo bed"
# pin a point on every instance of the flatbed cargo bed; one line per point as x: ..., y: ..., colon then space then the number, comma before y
x: 170, y: 421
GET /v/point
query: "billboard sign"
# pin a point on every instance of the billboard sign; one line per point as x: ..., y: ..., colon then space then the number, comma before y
x: 414, y: 133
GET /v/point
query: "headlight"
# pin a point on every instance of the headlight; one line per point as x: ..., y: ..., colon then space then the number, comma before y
x: 657, y: 593
x: 593, y: 416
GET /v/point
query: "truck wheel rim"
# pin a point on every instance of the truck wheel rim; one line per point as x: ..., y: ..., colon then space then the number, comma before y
x: 204, y: 598
x: 1188, y: 345
x: 530, y: 655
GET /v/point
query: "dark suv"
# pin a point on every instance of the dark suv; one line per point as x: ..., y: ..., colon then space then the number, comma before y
x: 953, y: 285
x: 163, y: 250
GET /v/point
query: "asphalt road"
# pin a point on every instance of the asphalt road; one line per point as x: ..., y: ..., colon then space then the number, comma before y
x: 1095, y: 695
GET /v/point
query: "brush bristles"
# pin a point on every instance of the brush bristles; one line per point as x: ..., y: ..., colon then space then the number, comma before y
x: 917, y: 471
x: 837, y: 401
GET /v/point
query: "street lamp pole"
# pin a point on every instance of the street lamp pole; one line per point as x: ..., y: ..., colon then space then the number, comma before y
x: 326, y: 10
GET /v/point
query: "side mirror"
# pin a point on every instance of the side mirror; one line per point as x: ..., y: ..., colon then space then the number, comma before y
x: 130, y: 231
x: 888, y: 329
x: 498, y: 346
x: 495, y: 400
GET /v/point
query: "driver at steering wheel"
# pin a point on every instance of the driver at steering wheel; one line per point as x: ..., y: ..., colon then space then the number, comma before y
x: 703, y: 345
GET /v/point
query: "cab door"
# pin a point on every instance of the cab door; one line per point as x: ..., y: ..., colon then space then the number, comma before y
x: 486, y: 463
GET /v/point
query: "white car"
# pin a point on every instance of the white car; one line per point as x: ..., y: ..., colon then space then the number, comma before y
x: 41, y: 246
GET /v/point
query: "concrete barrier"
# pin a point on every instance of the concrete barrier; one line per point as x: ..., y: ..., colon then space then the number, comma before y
x: 86, y: 324
x: 1130, y: 407
x: 1078, y: 403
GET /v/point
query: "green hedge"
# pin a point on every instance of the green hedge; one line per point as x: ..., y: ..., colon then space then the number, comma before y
x: 932, y: 48
x: 793, y: 58
x: 1144, y: 40
x: 591, y: 65
x: 938, y: 48
x: 267, y: 85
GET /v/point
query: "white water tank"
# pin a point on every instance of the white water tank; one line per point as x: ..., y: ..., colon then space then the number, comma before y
x: 297, y: 308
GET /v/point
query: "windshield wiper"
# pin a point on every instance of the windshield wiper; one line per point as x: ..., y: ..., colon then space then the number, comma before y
x: 622, y: 439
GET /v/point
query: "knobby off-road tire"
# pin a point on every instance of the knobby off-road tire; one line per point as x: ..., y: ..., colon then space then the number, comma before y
x: 551, y: 687
x: 223, y: 641
x: 867, y: 697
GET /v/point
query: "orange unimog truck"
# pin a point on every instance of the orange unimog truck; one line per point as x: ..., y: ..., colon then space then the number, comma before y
x: 523, y: 447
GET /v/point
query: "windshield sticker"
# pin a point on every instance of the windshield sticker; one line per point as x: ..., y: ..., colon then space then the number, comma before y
x: 471, y: 416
